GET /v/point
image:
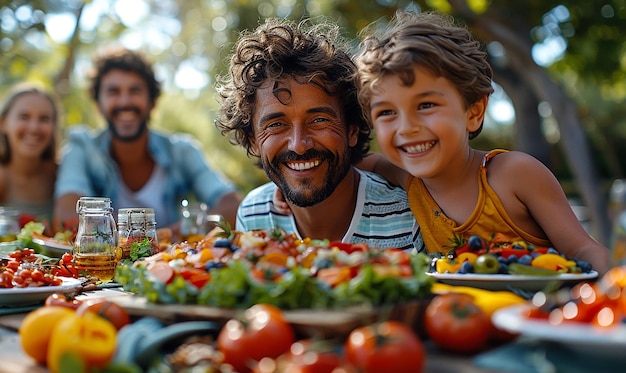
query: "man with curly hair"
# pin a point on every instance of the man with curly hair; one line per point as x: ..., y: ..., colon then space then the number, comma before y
x: 290, y: 100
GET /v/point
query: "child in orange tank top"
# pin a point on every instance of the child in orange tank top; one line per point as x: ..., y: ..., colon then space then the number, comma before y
x: 424, y: 85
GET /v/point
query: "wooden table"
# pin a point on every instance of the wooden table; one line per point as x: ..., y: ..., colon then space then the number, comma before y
x: 14, y: 360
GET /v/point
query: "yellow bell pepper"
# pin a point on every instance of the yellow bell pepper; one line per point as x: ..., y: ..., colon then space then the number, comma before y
x: 554, y: 262
x: 489, y: 301
x: 467, y: 256
x: 88, y: 337
x: 445, y: 265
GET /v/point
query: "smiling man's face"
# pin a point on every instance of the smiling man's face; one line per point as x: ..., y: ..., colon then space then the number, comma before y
x: 302, y: 140
x: 124, y: 101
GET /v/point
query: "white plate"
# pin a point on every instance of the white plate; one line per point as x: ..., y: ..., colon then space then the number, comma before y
x: 579, y: 336
x: 33, y: 295
x: 506, y: 282
x: 52, y: 247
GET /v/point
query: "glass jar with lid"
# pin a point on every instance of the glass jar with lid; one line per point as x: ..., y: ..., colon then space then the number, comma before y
x: 136, y: 225
x: 9, y: 224
x: 95, y: 245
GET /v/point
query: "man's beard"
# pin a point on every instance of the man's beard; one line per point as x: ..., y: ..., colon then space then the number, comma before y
x: 305, y: 194
x: 127, y: 138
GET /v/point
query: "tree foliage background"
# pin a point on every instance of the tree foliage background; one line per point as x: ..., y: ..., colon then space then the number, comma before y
x: 560, y: 65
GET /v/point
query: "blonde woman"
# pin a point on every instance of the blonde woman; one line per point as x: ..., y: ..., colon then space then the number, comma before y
x: 28, y: 125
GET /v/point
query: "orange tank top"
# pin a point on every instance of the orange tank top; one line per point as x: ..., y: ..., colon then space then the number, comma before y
x: 489, y: 216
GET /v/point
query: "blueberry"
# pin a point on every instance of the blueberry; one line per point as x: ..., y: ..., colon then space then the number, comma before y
x: 512, y: 259
x: 222, y: 242
x: 585, y: 267
x: 503, y: 269
x: 475, y: 243
x: 552, y: 250
x: 213, y: 265
x: 502, y: 259
x: 525, y: 259
x: 534, y: 254
x: 466, y: 267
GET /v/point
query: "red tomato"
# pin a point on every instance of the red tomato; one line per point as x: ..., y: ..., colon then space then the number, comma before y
x: 389, y: 346
x: 25, y: 219
x: 455, y: 323
x: 348, y: 247
x: 113, y: 312
x: 195, y: 276
x: 262, y: 332
x: 58, y: 299
x: 307, y: 356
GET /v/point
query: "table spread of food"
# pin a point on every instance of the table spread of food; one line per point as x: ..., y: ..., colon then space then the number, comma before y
x: 267, y: 301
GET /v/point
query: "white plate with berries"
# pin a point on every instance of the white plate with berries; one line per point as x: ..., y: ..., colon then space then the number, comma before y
x: 19, y: 297
x: 511, y: 282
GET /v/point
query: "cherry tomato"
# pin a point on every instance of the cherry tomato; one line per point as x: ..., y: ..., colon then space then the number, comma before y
x: 261, y: 332
x: 63, y: 300
x: 389, y: 346
x: 111, y: 311
x: 455, y: 323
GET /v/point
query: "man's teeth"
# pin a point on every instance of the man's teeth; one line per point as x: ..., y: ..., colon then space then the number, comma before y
x: 301, y: 166
x: 126, y: 115
x: 418, y: 148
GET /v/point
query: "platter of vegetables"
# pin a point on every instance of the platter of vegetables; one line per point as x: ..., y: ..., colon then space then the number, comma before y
x: 499, y: 264
x: 314, y: 281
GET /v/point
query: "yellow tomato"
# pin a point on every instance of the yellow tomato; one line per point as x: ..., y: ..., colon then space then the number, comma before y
x: 36, y: 329
x: 88, y: 337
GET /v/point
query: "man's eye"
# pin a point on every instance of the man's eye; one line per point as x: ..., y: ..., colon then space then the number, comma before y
x: 320, y: 120
x: 273, y: 125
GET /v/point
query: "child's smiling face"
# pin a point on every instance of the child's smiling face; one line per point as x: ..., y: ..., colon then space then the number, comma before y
x: 423, y: 127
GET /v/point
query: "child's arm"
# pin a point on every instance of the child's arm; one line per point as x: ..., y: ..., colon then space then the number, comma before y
x: 279, y: 202
x: 536, y: 202
x: 379, y: 164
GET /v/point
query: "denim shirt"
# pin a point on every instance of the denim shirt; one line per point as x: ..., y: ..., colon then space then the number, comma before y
x: 88, y: 169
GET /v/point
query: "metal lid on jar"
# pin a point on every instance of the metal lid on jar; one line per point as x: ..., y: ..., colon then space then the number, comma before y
x: 136, y: 215
x: 93, y: 203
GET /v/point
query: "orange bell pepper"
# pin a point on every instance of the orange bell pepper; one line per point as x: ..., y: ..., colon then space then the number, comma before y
x: 89, y: 338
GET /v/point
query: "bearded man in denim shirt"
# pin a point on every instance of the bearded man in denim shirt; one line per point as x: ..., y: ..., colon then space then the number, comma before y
x: 129, y: 163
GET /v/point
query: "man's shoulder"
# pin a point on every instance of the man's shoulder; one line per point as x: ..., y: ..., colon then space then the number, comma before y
x: 175, y: 139
x: 83, y: 133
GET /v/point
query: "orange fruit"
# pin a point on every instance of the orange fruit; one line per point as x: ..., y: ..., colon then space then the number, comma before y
x: 275, y: 258
x: 36, y: 329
